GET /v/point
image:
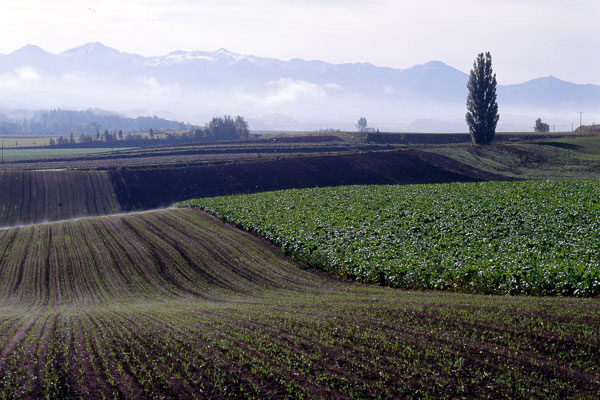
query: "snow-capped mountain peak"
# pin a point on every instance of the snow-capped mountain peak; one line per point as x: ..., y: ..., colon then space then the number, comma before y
x: 95, y: 75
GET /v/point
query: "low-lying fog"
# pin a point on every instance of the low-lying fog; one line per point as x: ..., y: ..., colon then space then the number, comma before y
x: 273, y: 94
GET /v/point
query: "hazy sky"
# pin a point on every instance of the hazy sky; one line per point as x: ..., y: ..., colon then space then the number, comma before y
x: 527, y: 38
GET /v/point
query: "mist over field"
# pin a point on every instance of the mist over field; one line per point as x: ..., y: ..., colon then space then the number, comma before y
x: 232, y: 199
x: 193, y: 86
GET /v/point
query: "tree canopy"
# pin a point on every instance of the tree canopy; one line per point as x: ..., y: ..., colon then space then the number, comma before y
x: 541, y: 126
x: 361, y: 125
x: 482, y: 108
x: 227, y: 128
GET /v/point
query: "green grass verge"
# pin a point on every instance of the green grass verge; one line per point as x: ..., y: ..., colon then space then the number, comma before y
x: 537, y: 238
x: 11, y: 154
x: 566, y: 158
x: 586, y: 144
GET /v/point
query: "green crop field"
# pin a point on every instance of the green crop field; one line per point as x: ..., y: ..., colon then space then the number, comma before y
x: 15, y: 141
x: 177, y: 304
x: 537, y: 237
x: 356, y: 342
x: 140, y: 257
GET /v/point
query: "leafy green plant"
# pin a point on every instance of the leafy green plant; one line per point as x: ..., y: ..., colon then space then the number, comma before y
x: 539, y: 237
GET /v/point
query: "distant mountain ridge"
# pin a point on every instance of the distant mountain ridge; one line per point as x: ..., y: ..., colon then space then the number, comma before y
x: 197, y: 84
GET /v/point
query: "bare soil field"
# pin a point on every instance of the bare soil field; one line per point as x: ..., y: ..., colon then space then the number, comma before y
x: 276, y: 147
x: 145, y: 188
x: 412, y: 139
x: 28, y: 197
x: 198, y: 153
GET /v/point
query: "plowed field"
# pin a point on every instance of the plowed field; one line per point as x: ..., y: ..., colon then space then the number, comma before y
x: 28, y: 197
x: 176, y: 304
x: 33, y: 196
x: 149, y: 256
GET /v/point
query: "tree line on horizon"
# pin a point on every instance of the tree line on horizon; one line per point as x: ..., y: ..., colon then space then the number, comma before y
x: 217, y: 129
x: 482, y: 107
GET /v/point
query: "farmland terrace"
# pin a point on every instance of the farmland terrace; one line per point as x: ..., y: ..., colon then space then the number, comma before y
x: 38, y: 196
x: 142, y: 179
x: 198, y: 153
x: 174, y: 303
x: 30, y: 196
x: 177, y: 304
x: 259, y: 149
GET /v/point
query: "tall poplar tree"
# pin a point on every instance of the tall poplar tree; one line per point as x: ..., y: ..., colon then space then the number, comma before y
x: 482, y: 108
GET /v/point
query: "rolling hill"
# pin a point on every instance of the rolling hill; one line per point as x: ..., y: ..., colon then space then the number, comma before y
x: 28, y: 197
x: 133, y: 258
x: 175, y: 304
x: 158, y: 177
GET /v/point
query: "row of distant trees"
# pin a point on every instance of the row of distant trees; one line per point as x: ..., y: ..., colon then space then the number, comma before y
x: 107, y: 136
x: 482, y: 108
x: 226, y: 128
x: 219, y: 128
x: 539, y: 126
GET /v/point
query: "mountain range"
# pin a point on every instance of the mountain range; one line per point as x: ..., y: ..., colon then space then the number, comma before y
x: 273, y: 94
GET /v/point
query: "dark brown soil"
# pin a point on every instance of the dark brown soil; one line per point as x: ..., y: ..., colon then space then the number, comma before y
x: 158, y: 187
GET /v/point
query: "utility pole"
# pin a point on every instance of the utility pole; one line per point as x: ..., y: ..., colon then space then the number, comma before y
x: 580, y: 128
x: 2, y: 151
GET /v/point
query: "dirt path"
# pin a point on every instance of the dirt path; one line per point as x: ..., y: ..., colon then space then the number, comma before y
x: 12, y: 344
x: 17, y: 337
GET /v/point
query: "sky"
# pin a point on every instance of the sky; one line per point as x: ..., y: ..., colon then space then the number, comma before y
x: 527, y: 38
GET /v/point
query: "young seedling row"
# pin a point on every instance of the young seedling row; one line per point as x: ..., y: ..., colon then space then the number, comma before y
x: 364, y: 342
x: 178, y: 304
x: 145, y: 256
